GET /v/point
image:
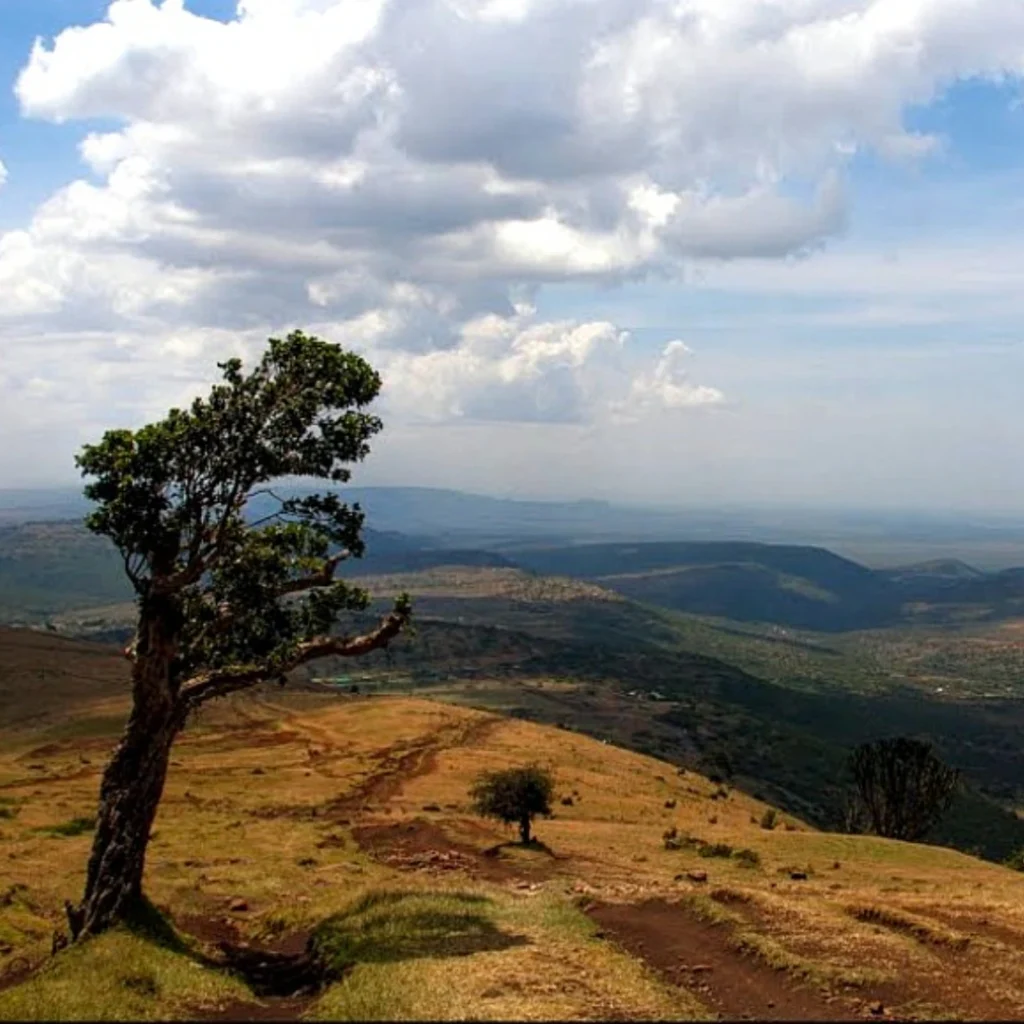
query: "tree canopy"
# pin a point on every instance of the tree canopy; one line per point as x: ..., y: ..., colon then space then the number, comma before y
x: 514, y: 796
x: 902, y: 788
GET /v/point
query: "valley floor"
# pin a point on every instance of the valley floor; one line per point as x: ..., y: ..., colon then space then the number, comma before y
x: 341, y: 824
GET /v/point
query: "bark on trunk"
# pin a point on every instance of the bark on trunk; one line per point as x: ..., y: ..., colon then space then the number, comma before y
x: 132, y: 786
x: 524, y: 830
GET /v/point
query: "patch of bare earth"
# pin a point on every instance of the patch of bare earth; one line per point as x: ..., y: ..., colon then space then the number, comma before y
x: 284, y: 975
x: 971, y: 982
x: 421, y: 845
x: 697, y: 955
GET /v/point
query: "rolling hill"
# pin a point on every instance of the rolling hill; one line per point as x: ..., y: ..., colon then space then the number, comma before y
x: 50, y: 568
x: 802, y: 587
x: 303, y: 820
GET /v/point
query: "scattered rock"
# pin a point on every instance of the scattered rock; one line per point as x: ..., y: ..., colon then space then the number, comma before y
x: 306, y: 862
x: 238, y: 905
x: 798, y: 876
x: 431, y: 807
x: 697, y: 876
x: 700, y: 968
x: 877, y: 1008
x: 257, y: 771
x: 670, y: 804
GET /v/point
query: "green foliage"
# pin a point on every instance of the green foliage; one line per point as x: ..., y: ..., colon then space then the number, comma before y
x: 770, y: 819
x: 173, y: 497
x: 902, y: 788
x: 514, y: 796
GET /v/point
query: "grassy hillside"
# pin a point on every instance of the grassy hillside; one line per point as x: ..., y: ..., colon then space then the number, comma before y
x: 777, y: 714
x: 311, y: 820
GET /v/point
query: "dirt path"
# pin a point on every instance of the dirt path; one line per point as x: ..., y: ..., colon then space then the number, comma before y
x: 696, y: 955
x: 401, y: 763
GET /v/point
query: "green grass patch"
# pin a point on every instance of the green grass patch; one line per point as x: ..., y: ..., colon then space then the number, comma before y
x: 119, y: 976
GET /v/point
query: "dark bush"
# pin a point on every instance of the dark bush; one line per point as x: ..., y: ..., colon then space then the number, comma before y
x: 748, y: 858
x: 715, y: 850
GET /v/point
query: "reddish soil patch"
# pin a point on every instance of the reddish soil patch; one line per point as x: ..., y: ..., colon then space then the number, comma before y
x: 284, y: 974
x: 18, y: 970
x: 211, y: 930
x: 397, y: 765
x: 696, y: 955
x: 421, y: 845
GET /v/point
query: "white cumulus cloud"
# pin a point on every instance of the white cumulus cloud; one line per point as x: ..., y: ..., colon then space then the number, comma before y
x: 413, y: 173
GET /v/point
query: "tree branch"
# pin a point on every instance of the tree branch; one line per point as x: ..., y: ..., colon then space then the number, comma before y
x: 323, y: 578
x: 220, y: 682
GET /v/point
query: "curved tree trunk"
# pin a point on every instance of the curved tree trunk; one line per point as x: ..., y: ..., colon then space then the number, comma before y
x: 130, y: 793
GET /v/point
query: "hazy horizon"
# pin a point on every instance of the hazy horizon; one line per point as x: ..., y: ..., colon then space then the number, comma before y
x: 703, y: 254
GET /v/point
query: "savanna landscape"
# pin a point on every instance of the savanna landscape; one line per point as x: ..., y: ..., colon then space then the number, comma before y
x: 609, y: 605
x: 301, y: 818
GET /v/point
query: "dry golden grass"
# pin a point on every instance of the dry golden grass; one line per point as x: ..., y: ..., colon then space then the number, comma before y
x: 266, y: 790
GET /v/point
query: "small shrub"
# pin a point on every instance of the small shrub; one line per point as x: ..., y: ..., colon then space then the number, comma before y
x: 6, y: 813
x: 713, y: 819
x: 670, y: 839
x: 567, y: 801
x: 770, y: 819
x: 514, y: 796
x: 716, y: 777
x: 748, y: 858
x: 715, y: 850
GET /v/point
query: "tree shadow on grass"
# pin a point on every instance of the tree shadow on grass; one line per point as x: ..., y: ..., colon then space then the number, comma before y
x: 535, y: 845
x: 394, y: 926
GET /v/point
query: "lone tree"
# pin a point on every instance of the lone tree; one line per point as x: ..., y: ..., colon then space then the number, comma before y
x: 225, y: 600
x: 902, y: 788
x: 514, y: 796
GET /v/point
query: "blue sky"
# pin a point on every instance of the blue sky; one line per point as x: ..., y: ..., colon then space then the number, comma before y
x: 851, y: 322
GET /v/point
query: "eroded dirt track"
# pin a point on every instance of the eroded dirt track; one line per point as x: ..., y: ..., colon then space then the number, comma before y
x: 399, y: 764
x: 697, y: 955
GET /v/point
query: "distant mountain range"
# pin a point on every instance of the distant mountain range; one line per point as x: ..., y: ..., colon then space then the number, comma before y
x: 447, y: 518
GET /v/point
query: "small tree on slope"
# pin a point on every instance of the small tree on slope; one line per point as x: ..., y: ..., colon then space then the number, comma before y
x: 514, y: 796
x: 223, y: 602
